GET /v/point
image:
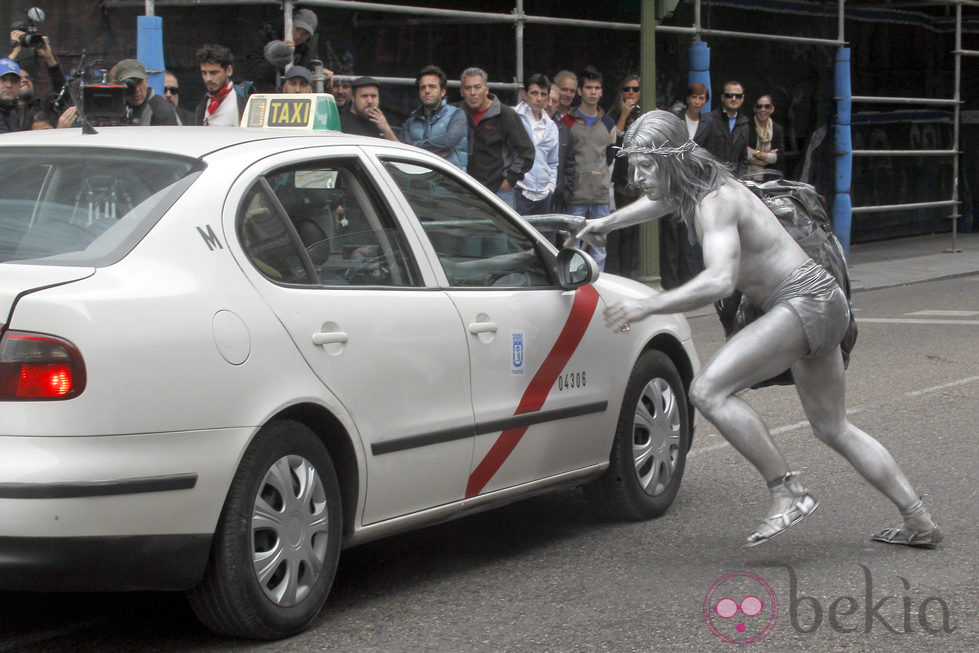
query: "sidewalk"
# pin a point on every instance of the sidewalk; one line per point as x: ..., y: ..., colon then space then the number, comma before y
x: 912, y: 260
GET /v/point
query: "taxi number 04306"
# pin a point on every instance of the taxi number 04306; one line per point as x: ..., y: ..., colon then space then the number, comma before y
x: 571, y: 380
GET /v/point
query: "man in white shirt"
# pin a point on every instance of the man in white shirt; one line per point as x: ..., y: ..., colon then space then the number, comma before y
x: 223, y: 104
x: 534, y: 191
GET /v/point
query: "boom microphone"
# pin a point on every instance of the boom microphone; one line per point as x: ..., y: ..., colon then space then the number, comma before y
x: 278, y: 53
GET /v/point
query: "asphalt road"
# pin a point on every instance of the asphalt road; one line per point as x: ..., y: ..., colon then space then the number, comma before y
x: 546, y: 575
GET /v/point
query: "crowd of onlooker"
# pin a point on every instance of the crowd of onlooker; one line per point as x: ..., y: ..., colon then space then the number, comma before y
x: 552, y: 152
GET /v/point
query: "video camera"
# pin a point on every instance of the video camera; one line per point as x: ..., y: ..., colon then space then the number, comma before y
x: 99, y: 101
x: 31, y: 38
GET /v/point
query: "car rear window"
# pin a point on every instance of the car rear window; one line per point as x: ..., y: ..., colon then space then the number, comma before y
x: 84, y: 206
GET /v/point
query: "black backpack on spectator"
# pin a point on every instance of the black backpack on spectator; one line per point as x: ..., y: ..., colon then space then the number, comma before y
x: 802, y: 213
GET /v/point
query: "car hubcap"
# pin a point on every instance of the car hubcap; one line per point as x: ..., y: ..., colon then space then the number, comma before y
x: 656, y: 436
x: 289, y: 530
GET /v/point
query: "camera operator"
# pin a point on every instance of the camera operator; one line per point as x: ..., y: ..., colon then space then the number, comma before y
x: 9, y: 88
x: 147, y: 107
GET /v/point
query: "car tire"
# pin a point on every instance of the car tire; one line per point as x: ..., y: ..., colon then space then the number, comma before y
x: 275, y: 551
x: 649, y: 452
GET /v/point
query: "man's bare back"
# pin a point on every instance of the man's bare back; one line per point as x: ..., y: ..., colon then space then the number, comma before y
x: 767, y: 253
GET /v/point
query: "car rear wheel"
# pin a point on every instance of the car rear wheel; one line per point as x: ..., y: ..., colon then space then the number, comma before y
x: 277, y: 543
x: 649, y: 452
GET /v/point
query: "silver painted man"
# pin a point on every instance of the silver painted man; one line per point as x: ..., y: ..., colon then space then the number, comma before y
x: 805, y: 317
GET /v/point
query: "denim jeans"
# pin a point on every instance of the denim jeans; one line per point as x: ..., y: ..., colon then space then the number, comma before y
x: 591, y: 211
x: 508, y: 197
x: 533, y: 207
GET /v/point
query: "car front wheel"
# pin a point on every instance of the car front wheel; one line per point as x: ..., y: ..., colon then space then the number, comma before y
x: 276, y: 547
x: 649, y: 452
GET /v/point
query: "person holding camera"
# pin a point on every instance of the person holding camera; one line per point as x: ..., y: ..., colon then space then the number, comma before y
x: 146, y: 107
x: 26, y: 56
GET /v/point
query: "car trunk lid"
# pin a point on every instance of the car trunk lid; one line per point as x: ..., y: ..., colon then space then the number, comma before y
x: 18, y: 279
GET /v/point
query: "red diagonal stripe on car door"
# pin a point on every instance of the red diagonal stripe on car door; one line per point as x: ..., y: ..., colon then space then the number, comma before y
x: 582, y: 309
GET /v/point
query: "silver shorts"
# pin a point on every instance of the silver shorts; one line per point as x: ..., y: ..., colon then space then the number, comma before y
x: 818, y: 300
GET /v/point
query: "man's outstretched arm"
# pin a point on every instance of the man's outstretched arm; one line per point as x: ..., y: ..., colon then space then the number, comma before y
x: 722, y: 253
x: 641, y: 210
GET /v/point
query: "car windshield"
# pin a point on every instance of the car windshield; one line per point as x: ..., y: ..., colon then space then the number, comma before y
x: 84, y: 206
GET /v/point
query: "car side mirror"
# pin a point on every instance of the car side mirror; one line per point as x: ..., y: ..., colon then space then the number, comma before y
x: 575, y: 268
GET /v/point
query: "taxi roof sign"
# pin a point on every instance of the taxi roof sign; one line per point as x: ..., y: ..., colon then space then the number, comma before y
x: 301, y: 111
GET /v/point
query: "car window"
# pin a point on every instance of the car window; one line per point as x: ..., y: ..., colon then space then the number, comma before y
x: 477, y: 244
x: 83, y: 205
x: 321, y: 224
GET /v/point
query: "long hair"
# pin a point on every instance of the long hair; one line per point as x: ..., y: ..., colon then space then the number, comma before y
x: 687, y: 173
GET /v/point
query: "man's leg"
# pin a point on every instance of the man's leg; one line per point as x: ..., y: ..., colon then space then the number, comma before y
x: 589, y: 211
x: 523, y: 205
x: 821, y: 384
x: 764, y: 348
x: 598, y: 253
x: 509, y: 197
x: 761, y: 350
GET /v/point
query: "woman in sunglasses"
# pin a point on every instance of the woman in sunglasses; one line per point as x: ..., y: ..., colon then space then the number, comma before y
x: 765, y: 139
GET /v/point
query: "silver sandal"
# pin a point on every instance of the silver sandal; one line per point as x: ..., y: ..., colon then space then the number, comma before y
x: 803, y: 504
x: 923, y: 537
x: 908, y: 536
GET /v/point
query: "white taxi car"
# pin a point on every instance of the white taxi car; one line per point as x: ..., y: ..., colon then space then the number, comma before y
x: 226, y: 354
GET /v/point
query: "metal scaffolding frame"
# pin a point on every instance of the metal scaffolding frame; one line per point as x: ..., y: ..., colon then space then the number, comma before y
x: 955, y: 102
x: 520, y: 19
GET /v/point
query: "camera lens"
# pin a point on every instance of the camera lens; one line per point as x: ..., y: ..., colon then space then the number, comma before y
x: 31, y: 40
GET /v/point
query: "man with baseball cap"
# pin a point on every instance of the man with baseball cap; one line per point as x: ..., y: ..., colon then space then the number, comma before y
x: 297, y: 80
x: 365, y: 116
x: 147, y: 108
x: 9, y: 88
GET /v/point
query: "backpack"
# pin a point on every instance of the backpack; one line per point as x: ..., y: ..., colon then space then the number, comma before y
x: 244, y: 89
x: 802, y: 213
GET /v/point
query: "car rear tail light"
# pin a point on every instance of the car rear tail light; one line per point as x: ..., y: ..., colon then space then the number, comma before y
x: 34, y: 366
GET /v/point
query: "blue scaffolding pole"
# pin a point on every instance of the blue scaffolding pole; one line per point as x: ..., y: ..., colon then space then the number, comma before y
x: 842, y: 205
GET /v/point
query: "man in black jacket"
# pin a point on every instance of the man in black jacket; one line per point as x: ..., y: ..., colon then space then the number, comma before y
x: 305, y: 43
x: 365, y: 117
x: 728, y: 141
x: 147, y: 108
x: 500, y: 150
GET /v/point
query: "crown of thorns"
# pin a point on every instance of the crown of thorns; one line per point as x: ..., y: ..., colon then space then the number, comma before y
x: 662, y: 150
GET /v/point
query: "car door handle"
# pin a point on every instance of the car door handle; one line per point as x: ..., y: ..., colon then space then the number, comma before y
x: 330, y: 338
x: 482, y: 327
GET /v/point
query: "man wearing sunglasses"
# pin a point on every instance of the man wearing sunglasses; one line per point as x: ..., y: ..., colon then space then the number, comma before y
x: 171, y: 93
x: 732, y: 127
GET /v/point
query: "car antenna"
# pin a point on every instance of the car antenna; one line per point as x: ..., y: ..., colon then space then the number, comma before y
x: 77, y: 75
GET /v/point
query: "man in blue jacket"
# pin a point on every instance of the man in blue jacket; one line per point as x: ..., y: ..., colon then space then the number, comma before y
x: 436, y: 126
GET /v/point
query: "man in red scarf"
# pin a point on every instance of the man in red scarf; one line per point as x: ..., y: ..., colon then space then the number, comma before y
x: 223, y: 105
